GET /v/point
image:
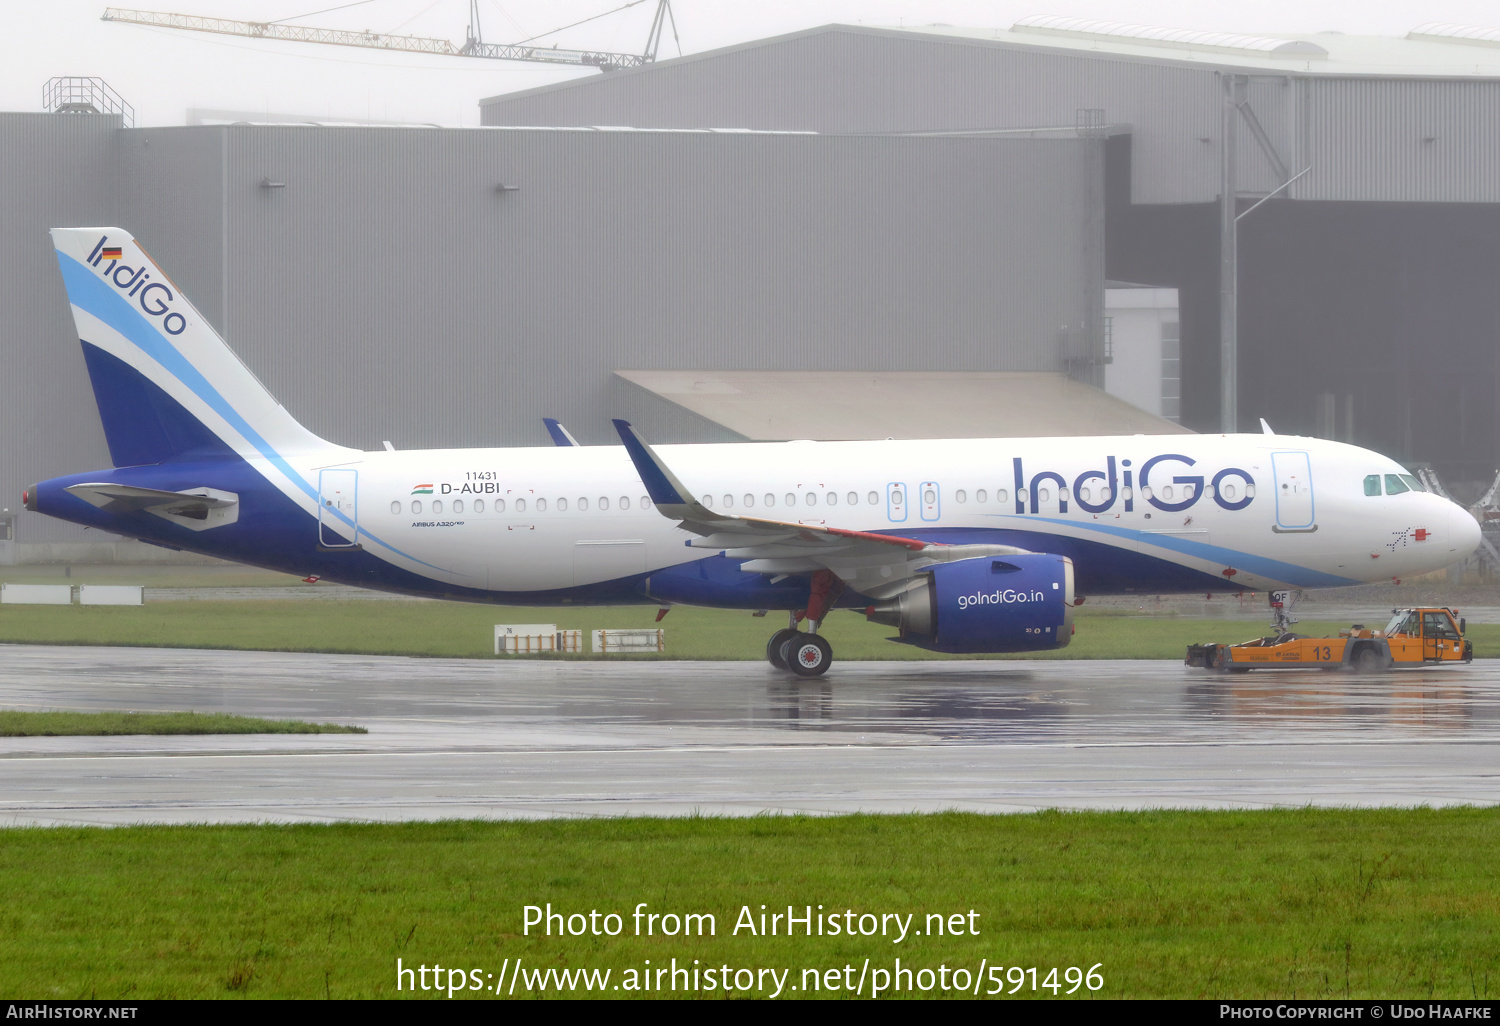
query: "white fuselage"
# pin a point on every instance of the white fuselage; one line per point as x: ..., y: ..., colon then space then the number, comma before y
x: 1256, y: 511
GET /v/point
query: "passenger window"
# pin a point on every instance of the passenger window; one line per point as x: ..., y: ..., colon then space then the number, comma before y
x: 770, y: 499
x: 396, y: 507
x: 896, y: 497
x: 541, y: 505
x: 981, y: 496
x: 1001, y: 495
x: 624, y: 502
x: 478, y: 505
x: 562, y: 505
x: 416, y: 505
x: 1394, y: 485
x: 583, y: 503
x: 645, y: 502
x: 437, y: 505
x: 1413, y: 483
x: 458, y: 505
x: 812, y: 500
x: 853, y: 498
x: 749, y: 501
x: 874, y: 499
x: 708, y: 500
x: 604, y: 502
x: 960, y: 496
x: 499, y: 505
x: 1372, y: 484
x: 520, y: 506
x: 791, y: 500
x: 729, y: 502
x: 833, y: 498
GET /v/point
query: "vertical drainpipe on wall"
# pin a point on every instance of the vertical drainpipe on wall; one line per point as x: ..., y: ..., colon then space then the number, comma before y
x: 1228, y: 269
x: 224, y: 233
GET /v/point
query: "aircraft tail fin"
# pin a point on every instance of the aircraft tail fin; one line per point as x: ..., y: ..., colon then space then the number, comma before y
x: 165, y: 382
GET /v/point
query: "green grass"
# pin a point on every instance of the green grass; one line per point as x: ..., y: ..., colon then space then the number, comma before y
x: 1302, y: 903
x: 463, y: 630
x: 72, y: 724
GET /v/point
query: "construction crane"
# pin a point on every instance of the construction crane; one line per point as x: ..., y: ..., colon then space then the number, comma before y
x: 473, y: 46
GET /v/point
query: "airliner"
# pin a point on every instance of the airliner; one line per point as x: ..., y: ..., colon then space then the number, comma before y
x: 961, y: 545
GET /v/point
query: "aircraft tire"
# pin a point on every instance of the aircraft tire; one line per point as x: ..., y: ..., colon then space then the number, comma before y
x: 773, y: 647
x: 807, y: 655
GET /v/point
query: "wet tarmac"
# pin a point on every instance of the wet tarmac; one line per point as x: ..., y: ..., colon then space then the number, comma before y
x: 520, y: 739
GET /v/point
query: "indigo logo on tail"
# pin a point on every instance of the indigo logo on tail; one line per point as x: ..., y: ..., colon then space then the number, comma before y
x: 154, y: 297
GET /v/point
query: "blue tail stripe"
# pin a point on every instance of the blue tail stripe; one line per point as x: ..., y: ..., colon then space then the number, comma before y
x: 91, y: 294
x: 142, y: 424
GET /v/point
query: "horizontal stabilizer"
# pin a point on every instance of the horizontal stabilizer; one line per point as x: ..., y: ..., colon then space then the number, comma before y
x: 117, y: 498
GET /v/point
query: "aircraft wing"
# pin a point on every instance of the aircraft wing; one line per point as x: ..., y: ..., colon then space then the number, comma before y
x: 878, y: 565
x: 117, y: 498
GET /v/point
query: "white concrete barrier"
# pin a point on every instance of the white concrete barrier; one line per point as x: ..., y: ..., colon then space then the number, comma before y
x: 642, y: 639
x: 525, y: 638
x: 111, y: 595
x: 36, y: 594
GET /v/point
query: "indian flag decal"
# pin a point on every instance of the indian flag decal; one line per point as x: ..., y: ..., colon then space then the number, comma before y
x: 422, y: 489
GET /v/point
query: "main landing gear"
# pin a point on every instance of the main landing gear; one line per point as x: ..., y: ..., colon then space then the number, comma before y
x: 805, y: 653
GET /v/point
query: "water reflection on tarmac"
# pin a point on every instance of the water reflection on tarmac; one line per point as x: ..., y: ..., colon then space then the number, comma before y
x: 530, y: 738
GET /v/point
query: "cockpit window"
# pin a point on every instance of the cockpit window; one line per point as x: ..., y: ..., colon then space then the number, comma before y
x: 1394, y: 485
x: 1372, y: 484
x: 1414, y: 483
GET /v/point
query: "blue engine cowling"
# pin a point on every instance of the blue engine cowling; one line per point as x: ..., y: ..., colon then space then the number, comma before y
x: 1014, y: 603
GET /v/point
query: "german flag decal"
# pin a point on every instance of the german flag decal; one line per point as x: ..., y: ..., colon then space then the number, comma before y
x: 112, y: 253
x: 422, y: 489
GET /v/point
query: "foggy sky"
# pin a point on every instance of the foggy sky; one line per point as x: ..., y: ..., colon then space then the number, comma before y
x: 163, y: 73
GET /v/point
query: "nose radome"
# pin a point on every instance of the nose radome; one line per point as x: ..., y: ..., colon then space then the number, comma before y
x: 1463, y: 529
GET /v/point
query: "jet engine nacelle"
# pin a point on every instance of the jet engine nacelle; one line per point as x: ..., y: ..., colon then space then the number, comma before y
x: 1015, y: 603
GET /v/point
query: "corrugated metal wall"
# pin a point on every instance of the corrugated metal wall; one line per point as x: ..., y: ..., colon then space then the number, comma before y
x: 1379, y: 139
x: 1415, y: 140
x: 55, y: 170
x: 387, y: 290
x: 842, y: 79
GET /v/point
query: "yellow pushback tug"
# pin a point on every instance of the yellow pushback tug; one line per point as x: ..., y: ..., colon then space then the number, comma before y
x: 1413, y: 637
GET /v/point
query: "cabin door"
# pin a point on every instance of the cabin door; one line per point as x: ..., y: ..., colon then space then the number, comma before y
x: 338, y: 508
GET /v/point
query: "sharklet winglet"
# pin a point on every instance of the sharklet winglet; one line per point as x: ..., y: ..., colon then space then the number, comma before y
x: 661, y: 484
x: 561, y: 436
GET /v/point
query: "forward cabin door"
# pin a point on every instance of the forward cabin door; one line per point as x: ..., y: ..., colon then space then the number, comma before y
x: 338, y: 508
x: 1294, y: 491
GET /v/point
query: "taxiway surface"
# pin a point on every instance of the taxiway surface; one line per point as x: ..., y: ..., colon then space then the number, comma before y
x: 478, y: 738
